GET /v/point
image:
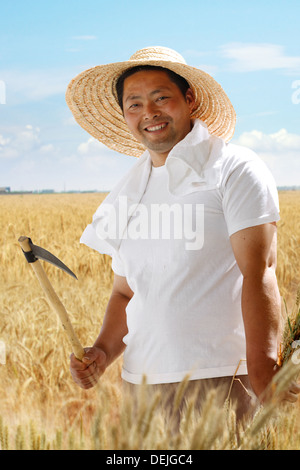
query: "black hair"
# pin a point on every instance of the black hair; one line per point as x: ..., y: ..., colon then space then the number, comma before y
x: 181, y: 82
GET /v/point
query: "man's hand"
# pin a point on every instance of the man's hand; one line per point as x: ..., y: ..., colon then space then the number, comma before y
x: 277, y: 392
x: 292, y: 394
x: 87, y: 373
x: 109, y: 344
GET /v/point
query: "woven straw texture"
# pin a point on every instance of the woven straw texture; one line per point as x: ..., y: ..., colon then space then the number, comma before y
x: 92, y: 98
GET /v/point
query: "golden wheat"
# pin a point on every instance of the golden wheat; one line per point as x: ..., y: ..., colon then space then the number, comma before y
x: 41, y: 407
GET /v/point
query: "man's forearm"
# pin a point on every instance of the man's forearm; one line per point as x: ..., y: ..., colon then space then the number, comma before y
x: 261, y: 311
x: 114, y: 328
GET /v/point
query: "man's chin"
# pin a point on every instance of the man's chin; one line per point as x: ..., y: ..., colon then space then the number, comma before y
x: 158, y: 148
x: 158, y: 145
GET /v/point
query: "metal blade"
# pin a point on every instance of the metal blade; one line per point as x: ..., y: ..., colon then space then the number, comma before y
x: 45, y: 255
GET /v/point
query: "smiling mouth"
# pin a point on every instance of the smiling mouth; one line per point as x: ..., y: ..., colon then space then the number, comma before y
x: 157, y: 127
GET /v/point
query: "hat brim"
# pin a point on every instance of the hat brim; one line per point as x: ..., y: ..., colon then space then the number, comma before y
x: 92, y: 98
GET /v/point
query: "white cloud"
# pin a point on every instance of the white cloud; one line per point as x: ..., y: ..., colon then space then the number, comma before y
x: 277, y: 142
x: 248, y: 57
x: 34, y: 85
x: 47, y: 148
x: 3, y: 141
x: 29, y: 161
x: 91, y: 165
x: 91, y: 146
x: 96, y: 155
x: 280, y: 151
x: 25, y: 140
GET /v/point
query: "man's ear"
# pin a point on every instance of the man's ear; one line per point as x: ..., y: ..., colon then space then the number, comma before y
x: 190, y: 99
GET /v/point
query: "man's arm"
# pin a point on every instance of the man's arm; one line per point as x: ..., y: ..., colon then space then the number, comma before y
x: 109, y: 344
x: 255, y: 251
x: 114, y: 326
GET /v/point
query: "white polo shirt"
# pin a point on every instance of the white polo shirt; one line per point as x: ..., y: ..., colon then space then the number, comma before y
x: 168, y: 231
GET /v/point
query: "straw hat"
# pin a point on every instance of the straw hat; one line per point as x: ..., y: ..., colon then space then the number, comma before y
x: 92, y: 98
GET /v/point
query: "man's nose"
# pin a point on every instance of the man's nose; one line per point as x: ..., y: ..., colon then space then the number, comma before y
x: 151, y: 111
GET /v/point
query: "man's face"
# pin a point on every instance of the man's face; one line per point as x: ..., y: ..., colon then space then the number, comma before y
x: 156, y: 112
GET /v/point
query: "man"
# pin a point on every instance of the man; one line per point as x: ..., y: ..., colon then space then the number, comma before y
x: 204, y: 302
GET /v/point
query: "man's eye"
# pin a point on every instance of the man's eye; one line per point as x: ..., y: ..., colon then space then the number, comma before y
x: 134, y: 105
x: 161, y: 98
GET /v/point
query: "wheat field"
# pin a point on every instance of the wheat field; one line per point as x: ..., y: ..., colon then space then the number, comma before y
x: 41, y: 407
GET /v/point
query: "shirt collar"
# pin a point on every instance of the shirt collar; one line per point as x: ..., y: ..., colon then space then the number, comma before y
x: 194, y: 164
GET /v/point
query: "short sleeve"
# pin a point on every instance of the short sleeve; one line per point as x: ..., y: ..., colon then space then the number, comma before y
x: 117, y: 265
x: 250, y: 195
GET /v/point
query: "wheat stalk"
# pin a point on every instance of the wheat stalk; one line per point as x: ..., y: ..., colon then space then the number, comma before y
x: 38, y: 408
x: 291, y: 333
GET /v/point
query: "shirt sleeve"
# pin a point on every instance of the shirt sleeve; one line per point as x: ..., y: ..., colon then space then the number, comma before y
x: 117, y: 265
x: 250, y: 195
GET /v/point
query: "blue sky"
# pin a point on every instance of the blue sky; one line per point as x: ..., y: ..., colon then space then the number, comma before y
x: 250, y: 48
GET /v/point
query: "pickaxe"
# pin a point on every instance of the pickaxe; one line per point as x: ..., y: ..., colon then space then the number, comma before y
x: 33, y: 253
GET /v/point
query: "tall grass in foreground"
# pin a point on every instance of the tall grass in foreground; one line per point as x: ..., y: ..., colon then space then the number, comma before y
x: 291, y: 334
x: 116, y: 425
x: 41, y: 407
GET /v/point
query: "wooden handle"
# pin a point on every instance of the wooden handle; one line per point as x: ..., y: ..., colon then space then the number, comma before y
x: 54, y: 301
